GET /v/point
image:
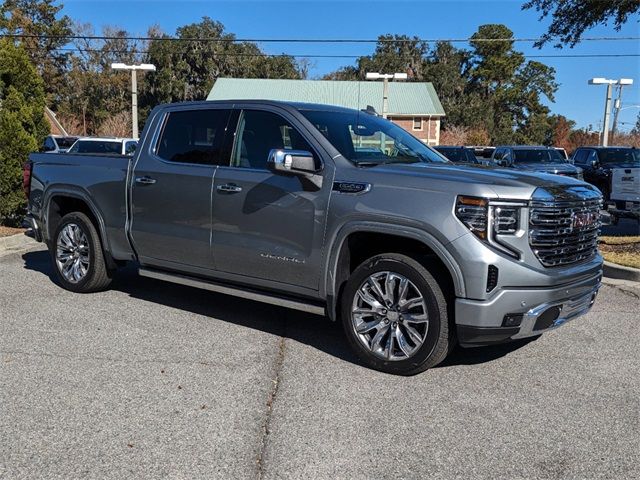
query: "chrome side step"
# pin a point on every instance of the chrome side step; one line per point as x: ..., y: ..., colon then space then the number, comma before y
x: 234, y: 291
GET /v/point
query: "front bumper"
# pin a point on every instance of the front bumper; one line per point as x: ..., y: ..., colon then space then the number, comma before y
x: 539, y: 310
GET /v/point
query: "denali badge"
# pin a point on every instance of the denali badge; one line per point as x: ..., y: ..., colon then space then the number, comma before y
x: 281, y: 258
x: 584, y: 219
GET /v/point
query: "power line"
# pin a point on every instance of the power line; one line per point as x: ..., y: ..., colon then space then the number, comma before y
x: 299, y: 40
x: 312, y: 55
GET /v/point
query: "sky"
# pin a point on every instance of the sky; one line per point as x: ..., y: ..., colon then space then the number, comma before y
x: 429, y: 19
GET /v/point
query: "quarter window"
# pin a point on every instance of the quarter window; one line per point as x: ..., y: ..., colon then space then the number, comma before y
x: 258, y: 133
x: 194, y: 136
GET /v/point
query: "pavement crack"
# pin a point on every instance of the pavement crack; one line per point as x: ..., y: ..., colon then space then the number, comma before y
x: 266, y: 425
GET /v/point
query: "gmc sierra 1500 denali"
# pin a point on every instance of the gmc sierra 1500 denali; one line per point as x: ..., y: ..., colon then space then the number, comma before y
x: 332, y: 211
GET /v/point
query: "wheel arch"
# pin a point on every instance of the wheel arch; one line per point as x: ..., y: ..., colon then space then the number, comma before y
x: 60, y: 201
x: 339, y: 263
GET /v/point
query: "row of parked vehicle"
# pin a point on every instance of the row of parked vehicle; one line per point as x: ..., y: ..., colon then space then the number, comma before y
x: 614, y: 170
x: 71, y: 144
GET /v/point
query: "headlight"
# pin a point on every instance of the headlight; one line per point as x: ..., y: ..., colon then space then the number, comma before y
x: 491, y: 221
x: 506, y: 219
x: 472, y: 211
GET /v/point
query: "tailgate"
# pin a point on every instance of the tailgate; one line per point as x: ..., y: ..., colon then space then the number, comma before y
x: 625, y: 184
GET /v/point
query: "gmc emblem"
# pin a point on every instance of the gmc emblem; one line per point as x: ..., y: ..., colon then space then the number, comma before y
x: 584, y: 219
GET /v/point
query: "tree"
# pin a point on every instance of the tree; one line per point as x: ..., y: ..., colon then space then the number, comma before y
x: 22, y: 125
x: 43, y: 32
x: 570, y: 18
x: 512, y: 89
x: 187, y: 67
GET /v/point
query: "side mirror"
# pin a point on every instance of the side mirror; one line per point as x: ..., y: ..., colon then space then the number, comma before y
x: 299, y: 162
x: 594, y: 163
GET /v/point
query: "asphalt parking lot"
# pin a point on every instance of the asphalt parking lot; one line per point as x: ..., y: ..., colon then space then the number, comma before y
x: 154, y: 380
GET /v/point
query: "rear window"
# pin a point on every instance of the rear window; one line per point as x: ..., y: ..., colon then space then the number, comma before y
x: 193, y: 136
x: 458, y: 155
x: 537, y: 156
x: 97, y: 146
x: 629, y: 156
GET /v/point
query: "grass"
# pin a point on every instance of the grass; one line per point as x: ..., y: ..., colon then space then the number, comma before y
x: 621, y: 250
x: 8, y: 231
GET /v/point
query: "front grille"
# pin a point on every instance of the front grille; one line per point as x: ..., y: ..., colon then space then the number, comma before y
x: 564, y: 232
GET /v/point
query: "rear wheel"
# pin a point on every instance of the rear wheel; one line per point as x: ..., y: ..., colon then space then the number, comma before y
x: 77, y: 255
x: 395, y: 315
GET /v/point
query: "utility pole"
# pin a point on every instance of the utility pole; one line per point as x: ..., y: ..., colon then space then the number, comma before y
x: 617, y: 106
x: 134, y: 90
x: 607, y: 104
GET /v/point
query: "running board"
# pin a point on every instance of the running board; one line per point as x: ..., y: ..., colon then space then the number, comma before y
x: 234, y: 291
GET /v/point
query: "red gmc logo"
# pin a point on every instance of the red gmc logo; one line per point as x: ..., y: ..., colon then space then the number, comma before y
x: 583, y: 219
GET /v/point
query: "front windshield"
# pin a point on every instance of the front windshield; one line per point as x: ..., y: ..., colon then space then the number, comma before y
x: 628, y: 156
x: 367, y: 140
x: 538, y: 156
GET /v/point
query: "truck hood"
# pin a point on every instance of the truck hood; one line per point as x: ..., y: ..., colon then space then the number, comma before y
x: 555, y: 168
x: 485, y: 181
x: 477, y: 174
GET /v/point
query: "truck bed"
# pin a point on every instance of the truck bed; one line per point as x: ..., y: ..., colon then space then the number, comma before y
x: 101, y: 180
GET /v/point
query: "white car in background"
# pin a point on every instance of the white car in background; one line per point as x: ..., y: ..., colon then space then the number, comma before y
x: 109, y: 146
x: 57, y: 143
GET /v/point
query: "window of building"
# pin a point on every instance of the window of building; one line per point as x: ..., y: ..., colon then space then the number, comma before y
x: 193, y: 136
x: 417, y: 123
x: 258, y: 133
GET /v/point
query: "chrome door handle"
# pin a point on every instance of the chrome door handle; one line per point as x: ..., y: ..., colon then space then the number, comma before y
x: 145, y: 180
x: 229, y: 188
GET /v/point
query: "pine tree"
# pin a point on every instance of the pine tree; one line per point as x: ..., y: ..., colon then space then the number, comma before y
x: 22, y: 125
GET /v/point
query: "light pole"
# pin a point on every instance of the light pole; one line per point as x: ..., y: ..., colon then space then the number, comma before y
x: 134, y: 89
x: 607, y: 104
x: 385, y: 86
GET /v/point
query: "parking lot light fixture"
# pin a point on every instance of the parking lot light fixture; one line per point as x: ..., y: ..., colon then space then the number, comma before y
x: 607, y: 104
x: 385, y: 77
x: 134, y: 90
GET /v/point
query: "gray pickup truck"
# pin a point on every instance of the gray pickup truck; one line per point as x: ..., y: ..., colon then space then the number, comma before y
x: 332, y: 211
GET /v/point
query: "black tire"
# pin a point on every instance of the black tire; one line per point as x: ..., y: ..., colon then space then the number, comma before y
x: 98, y: 276
x: 439, y: 338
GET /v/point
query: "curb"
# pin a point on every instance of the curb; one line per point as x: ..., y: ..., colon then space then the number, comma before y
x: 619, y: 272
x: 15, y: 242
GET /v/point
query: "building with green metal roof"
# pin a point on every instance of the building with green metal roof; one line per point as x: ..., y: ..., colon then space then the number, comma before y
x: 412, y: 105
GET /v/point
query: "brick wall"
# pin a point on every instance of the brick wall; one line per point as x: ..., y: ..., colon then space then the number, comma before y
x: 430, y: 132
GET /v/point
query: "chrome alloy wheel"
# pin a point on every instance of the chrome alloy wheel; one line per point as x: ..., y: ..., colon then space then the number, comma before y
x: 389, y: 316
x: 72, y: 253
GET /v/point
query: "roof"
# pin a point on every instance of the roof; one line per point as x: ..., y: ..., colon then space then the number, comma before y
x: 106, y: 139
x: 405, y: 98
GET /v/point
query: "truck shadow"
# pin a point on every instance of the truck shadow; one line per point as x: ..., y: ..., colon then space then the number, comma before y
x: 315, y: 331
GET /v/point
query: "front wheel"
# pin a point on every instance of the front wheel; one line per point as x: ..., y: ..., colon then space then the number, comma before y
x: 395, y: 315
x: 77, y: 255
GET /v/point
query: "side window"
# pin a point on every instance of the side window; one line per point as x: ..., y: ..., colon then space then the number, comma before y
x: 74, y: 148
x: 507, y: 155
x: 193, y: 136
x: 258, y: 133
x: 49, y: 144
x: 499, y: 153
x: 591, y: 156
x: 580, y: 157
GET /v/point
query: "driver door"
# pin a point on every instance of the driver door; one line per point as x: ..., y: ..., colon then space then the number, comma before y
x: 266, y: 225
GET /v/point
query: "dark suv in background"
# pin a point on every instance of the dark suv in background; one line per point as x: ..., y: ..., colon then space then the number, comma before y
x: 535, y: 159
x: 458, y: 154
x: 598, y: 164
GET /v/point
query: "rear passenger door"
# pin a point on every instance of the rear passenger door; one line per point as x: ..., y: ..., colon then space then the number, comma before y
x: 171, y: 189
x: 268, y: 227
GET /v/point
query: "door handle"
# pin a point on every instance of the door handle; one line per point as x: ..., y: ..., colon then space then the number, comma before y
x: 229, y: 188
x: 145, y: 180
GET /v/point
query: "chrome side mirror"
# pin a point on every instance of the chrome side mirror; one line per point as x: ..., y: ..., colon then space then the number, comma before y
x: 299, y: 162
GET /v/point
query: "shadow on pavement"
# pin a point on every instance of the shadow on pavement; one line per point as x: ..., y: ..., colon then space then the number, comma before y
x: 312, y: 330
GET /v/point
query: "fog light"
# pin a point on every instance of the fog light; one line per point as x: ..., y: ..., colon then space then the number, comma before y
x: 546, y: 319
x: 512, y: 320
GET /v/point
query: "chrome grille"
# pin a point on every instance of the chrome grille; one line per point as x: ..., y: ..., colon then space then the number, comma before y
x: 564, y: 232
